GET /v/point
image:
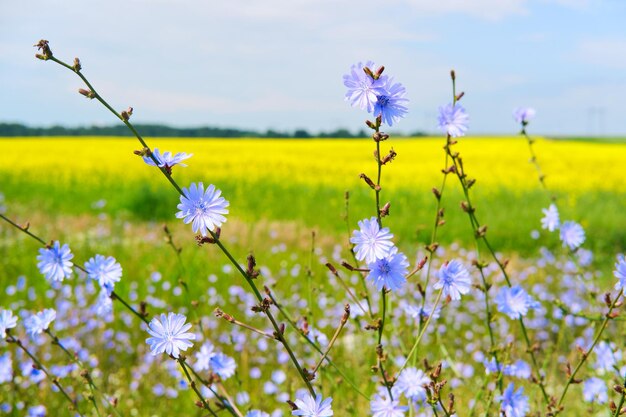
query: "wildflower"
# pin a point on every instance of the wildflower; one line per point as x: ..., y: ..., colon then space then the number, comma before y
x: 7, y: 321
x: 595, y: 391
x: 390, y: 271
x: 453, y: 120
x: 411, y: 383
x: 550, y: 218
x: 167, y: 160
x: 313, y: 407
x: 104, y: 304
x: 204, y: 208
x: 572, y: 235
x: 514, y: 302
x: 223, y: 365
x: 454, y: 279
x: 363, y: 90
x: 37, y: 411
x: 39, y: 322
x: 382, y: 406
x: 256, y: 413
x: 620, y: 272
x: 522, y: 115
x: 54, y: 262
x: 204, y: 356
x: 6, y: 368
x: 518, y: 369
x: 169, y: 334
x: 389, y: 103
x: 514, y: 403
x: 107, y: 271
x: 35, y: 374
x: 371, y: 242
x: 606, y: 356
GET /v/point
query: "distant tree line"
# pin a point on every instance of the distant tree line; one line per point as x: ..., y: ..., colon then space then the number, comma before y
x: 155, y: 130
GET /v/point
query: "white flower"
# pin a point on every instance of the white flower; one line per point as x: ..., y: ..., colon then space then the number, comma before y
x: 169, y: 334
x: 313, y: 407
x: 371, y: 242
x: 550, y: 219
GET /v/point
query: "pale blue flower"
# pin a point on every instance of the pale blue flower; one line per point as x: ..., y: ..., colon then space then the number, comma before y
x: 411, y: 383
x: 390, y: 271
x: 167, y: 160
x: 382, y: 406
x: 453, y: 120
x: 54, y: 262
x: 223, y: 365
x: 518, y: 369
x: 35, y: 375
x: 37, y: 411
x: 454, y: 279
x: 550, y: 219
x: 6, y: 368
x: 514, y: 302
x: 107, y: 271
x: 104, y: 304
x: 204, y: 356
x: 389, y: 103
x: 256, y: 413
x: 607, y: 356
x: 363, y: 90
x: 620, y: 272
x: 595, y: 391
x: 169, y: 334
x: 7, y: 321
x: 572, y: 235
x: 39, y: 322
x: 204, y: 209
x: 522, y: 115
x: 514, y: 403
x: 313, y: 407
x: 371, y: 242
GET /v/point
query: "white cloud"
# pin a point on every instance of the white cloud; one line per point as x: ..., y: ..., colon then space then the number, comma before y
x: 607, y: 53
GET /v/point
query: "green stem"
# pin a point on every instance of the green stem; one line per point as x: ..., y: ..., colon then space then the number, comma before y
x: 586, y: 354
x: 421, y: 334
x: 40, y: 366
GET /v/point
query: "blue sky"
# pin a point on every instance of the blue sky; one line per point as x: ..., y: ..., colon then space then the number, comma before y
x: 279, y: 63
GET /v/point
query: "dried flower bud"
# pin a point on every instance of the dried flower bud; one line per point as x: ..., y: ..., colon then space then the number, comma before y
x: 390, y: 157
x: 369, y: 72
x: 43, y: 46
x: 460, y: 96
x: 77, y: 66
x: 380, y: 136
x: 385, y: 210
x: 368, y: 181
x: 87, y: 93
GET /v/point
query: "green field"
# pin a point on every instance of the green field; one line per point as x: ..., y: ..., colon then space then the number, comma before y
x: 94, y: 194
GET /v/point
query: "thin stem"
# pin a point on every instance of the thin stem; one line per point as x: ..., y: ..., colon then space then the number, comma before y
x: 621, y: 400
x: 229, y: 318
x: 314, y: 345
x: 192, y: 384
x: 11, y: 339
x: 586, y: 354
x: 23, y: 229
x: 421, y: 333
x: 85, y: 374
x: 229, y: 399
x: 342, y: 323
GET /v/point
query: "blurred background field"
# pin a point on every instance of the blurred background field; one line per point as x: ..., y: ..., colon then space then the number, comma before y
x: 305, y: 181
x: 99, y: 197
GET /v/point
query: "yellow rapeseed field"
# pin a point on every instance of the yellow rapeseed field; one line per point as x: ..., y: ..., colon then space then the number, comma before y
x: 571, y: 167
